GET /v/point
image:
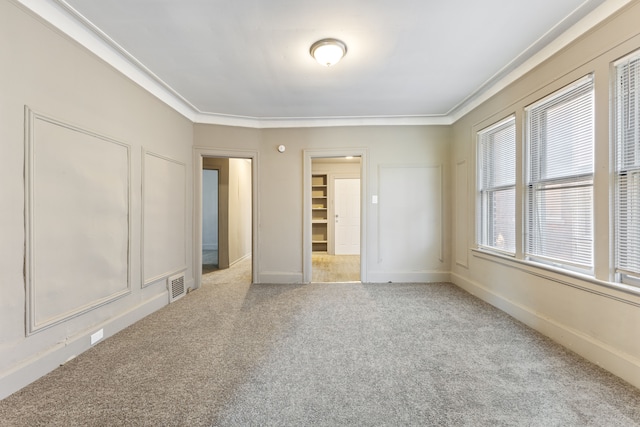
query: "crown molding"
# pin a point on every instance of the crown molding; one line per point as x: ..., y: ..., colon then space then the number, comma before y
x: 506, y: 75
x: 306, y: 122
x: 70, y: 22
x: 60, y: 15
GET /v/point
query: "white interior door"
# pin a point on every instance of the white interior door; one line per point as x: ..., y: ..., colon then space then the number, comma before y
x: 347, y: 216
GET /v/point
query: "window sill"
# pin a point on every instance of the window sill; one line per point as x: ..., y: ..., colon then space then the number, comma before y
x: 617, y: 291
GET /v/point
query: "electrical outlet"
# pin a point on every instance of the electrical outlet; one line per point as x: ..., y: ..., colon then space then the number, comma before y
x: 97, y: 336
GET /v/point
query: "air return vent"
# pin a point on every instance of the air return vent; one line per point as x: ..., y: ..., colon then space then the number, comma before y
x: 177, y: 288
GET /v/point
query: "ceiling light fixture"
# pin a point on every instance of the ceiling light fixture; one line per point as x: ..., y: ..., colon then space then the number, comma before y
x: 328, y: 51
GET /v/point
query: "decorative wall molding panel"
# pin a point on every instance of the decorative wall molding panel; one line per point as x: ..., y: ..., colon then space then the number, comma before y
x: 78, y: 220
x: 462, y: 197
x: 410, y: 207
x: 164, y: 217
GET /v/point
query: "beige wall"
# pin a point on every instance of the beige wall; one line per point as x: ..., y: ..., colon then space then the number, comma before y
x: 239, y: 209
x: 336, y: 168
x: 587, y: 316
x: 280, y: 188
x: 56, y: 78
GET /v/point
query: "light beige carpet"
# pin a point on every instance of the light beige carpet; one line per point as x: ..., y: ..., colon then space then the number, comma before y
x: 334, y: 354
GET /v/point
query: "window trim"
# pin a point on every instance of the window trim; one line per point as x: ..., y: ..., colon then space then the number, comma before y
x: 620, y: 275
x: 528, y: 221
x: 561, y: 275
x: 480, y: 216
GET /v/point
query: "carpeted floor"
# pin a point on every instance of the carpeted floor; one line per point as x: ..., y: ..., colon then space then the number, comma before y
x: 233, y: 354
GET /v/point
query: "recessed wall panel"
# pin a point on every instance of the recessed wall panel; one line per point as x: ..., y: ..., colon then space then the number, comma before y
x: 410, y: 228
x: 164, y: 217
x: 462, y: 194
x: 77, y: 220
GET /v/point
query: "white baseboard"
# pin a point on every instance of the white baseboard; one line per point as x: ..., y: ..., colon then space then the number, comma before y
x: 45, y: 362
x: 279, y: 277
x: 242, y: 258
x: 408, y: 276
x: 190, y: 283
x: 623, y: 365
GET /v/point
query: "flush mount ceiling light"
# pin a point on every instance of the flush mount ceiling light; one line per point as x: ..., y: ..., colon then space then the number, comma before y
x: 328, y: 51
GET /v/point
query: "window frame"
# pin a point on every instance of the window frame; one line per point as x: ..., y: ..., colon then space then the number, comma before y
x: 621, y: 274
x: 536, y: 180
x: 483, y: 219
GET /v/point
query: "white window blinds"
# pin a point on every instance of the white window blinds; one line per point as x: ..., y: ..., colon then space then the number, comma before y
x: 560, y: 137
x: 497, y: 179
x: 627, y: 146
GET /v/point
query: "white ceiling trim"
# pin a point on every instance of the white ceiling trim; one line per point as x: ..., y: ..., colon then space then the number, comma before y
x: 304, y: 122
x: 487, y: 90
x: 67, y: 20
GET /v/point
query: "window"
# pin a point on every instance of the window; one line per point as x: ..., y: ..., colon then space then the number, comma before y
x: 627, y: 168
x: 560, y: 137
x: 497, y: 179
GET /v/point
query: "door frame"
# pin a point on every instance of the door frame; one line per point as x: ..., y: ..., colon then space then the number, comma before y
x: 308, y: 156
x: 223, y: 206
x: 198, y: 154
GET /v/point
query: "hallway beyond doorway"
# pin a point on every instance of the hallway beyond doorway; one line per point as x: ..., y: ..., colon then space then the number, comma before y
x: 236, y: 209
x: 209, y: 260
x: 334, y: 185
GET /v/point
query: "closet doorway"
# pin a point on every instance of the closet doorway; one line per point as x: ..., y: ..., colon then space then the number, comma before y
x: 336, y: 219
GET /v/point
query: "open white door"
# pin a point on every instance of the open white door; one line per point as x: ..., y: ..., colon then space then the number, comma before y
x: 347, y: 216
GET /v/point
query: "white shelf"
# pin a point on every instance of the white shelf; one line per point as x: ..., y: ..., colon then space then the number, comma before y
x: 319, y: 207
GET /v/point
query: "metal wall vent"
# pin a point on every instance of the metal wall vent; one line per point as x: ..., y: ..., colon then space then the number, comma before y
x: 177, y: 288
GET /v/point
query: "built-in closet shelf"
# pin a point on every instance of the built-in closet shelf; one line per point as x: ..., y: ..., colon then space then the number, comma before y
x: 319, y: 212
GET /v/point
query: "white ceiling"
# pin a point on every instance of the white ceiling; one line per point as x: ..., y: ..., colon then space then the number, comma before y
x: 249, y: 59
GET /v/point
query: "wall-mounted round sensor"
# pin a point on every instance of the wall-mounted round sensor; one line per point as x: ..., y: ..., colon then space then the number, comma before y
x: 281, y: 148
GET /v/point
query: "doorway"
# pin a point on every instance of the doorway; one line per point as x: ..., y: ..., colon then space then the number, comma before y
x: 225, y: 214
x: 210, y: 238
x: 336, y: 219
